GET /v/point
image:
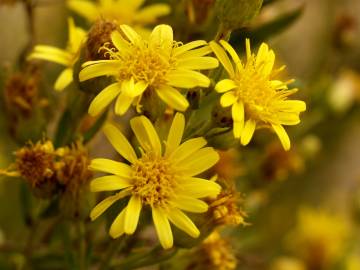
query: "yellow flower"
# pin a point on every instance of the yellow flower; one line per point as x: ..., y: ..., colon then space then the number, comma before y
x: 256, y: 97
x: 157, y: 64
x: 67, y: 57
x: 123, y: 11
x: 164, y: 180
x: 319, y: 237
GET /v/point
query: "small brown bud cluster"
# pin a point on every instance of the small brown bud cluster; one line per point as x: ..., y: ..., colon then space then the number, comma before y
x: 21, y: 91
x: 215, y: 253
x: 224, y: 209
x: 52, y: 171
x: 99, y: 34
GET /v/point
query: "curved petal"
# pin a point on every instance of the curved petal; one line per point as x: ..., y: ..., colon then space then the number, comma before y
x: 51, y: 54
x: 237, y: 111
x: 199, y: 63
x: 162, y: 227
x: 146, y: 134
x: 225, y: 85
x: 132, y: 214
x: 183, y: 222
x: 86, y: 9
x: 248, y: 132
x: 97, y: 69
x: 162, y: 36
x: 119, y: 42
x: 190, y: 204
x: 109, y: 183
x: 200, y: 188
x: 119, y: 142
x: 187, y: 79
x: 123, y: 103
x: 150, y: 13
x: 104, y: 98
x: 228, y: 99
x: 117, y: 227
x: 283, y: 136
x: 130, y: 33
x: 223, y: 58
x: 110, y: 166
x: 102, y: 206
x: 64, y: 79
x: 231, y: 51
x: 176, y: 132
x: 187, y: 148
x: 172, y: 97
x: 188, y: 46
x: 199, y: 162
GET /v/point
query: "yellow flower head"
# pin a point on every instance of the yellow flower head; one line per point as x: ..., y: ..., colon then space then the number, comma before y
x: 164, y: 180
x: 122, y: 11
x: 256, y: 97
x: 319, y: 236
x: 67, y: 57
x: 157, y: 64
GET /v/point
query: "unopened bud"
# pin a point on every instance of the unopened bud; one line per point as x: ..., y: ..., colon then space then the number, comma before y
x: 235, y: 14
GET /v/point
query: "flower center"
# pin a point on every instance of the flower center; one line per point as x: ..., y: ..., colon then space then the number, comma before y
x: 154, y: 180
x: 143, y: 62
x: 256, y: 92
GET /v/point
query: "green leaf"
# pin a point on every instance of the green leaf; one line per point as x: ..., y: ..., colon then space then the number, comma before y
x: 88, y: 135
x: 267, y: 30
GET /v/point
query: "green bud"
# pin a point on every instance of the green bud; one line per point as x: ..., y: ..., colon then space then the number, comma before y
x: 235, y: 14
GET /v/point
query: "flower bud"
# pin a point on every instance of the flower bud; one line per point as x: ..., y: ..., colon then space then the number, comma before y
x: 235, y: 14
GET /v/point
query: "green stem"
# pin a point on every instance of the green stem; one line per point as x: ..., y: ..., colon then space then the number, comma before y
x: 154, y: 256
x: 114, y: 247
x: 82, y: 245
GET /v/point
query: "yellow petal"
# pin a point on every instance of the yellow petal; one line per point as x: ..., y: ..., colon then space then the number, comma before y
x: 162, y: 227
x: 109, y: 183
x: 123, y: 103
x: 292, y: 106
x: 60, y: 57
x: 97, y: 69
x: 110, y: 166
x: 132, y: 214
x: 237, y: 111
x: 119, y: 42
x: 150, y: 13
x: 162, y: 36
x: 176, y: 132
x: 64, y: 79
x: 183, y: 222
x: 187, y: 79
x: 248, y: 48
x: 187, y: 148
x: 76, y: 36
x: 119, y: 142
x: 172, y: 97
x: 117, y: 227
x: 86, y: 9
x: 248, y: 132
x: 283, y: 136
x: 199, y: 161
x: 231, y: 51
x: 200, y: 188
x: 288, y: 119
x: 223, y: 58
x: 225, y: 85
x: 190, y: 204
x: 104, y: 98
x: 139, y: 88
x: 132, y: 36
x: 196, y: 52
x: 198, y: 63
x: 146, y: 134
x: 188, y: 46
x: 228, y: 99
x: 102, y: 206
